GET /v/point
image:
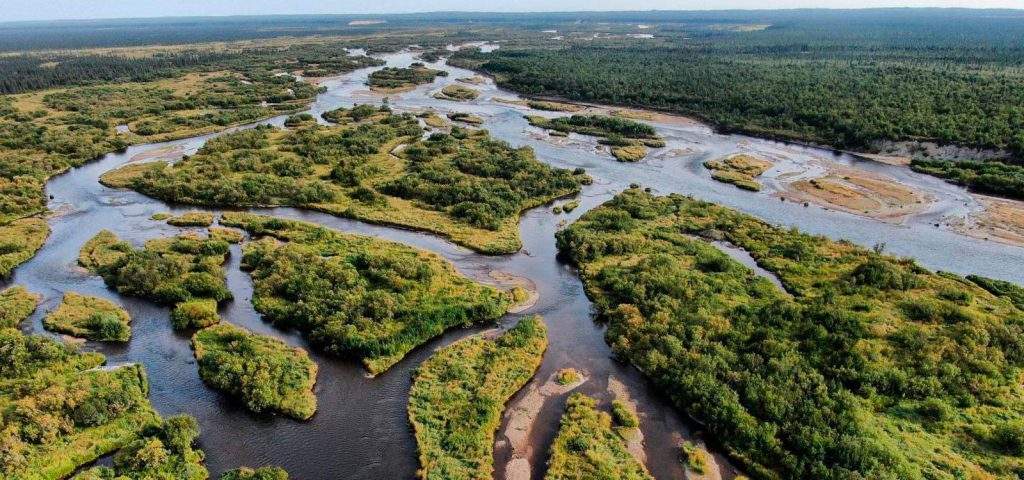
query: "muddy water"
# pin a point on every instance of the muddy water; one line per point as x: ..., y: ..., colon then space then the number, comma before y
x: 360, y: 430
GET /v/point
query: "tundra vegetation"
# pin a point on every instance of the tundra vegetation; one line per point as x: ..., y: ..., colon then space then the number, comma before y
x: 192, y: 219
x: 261, y: 473
x: 59, y: 411
x: 458, y: 93
x: 16, y: 304
x: 868, y: 365
x: 587, y: 446
x: 91, y: 318
x: 740, y: 170
x: 459, y: 394
x: 183, y: 271
x: 264, y: 373
x: 357, y: 296
x: 396, y: 79
x: 19, y: 240
x: 628, y: 139
x: 465, y: 118
x: 464, y: 185
x: 163, y: 450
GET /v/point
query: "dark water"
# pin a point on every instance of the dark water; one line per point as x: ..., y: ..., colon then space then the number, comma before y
x: 361, y: 430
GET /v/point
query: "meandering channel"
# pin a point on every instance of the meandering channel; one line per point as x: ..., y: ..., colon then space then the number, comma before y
x: 361, y: 429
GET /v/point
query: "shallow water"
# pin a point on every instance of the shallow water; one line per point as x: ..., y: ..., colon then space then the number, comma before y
x: 361, y: 430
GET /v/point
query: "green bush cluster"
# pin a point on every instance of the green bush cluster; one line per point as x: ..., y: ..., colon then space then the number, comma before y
x: 88, y: 317
x: 58, y: 411
x: 184, y: 271
x: 16, y: 304
x: 163, y: 451
x: 264, y: 373
x: 356, y: 296
x: 459, y: 394
x: 869, y: 366
x: 587, y: 446
x: 392, y: 77
x: 262, y: 473
x: 992, y: 177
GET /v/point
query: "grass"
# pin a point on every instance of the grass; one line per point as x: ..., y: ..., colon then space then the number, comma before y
x: 459, y: 93
x: 192, y: 219
x: 19, y: 241
x: 464, y: 185
x: 376, y: 300
x: 459, y: 394
x: 739, y: 170
x: 91, y: 318
x: 465, y: 118
x: 264, y: 373
x: 623, y: 415
x: 229, y: 235
x: 695, y: 459
x: 162, y: 450
x: 847, y: 348
x: 390, y: 79
x: 629, y: 153
x: 16, y: 304
x: 587, y: 447
x: 553, y: 106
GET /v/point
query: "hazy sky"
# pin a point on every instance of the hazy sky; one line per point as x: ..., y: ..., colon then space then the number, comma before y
x: 11, y: 10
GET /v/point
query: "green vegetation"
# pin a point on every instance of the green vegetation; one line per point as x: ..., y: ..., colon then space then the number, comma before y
x: 192, y: 219
x: 568, y: 376
x: 1001, y: 288
x: 740, y: 170
x: 184, y: 271
x: 262, y: 473
x: 20, y: 240
x: 357, y: 296
x: 458, y: 396
x: 298, y: 119
x: 870, y: 366
x: 995, y: 178
x: 392, y: 79
x: 553, y: 106
x: 624, y: 415
x: 695, y: 459
x: 195, y: 313
x: 160, y: 216
x: 59, y: 411
x: 229, y: 235
x: 587, y: 448
x: 627, y: 138
x: 88, y: 317
x: 16, y: 304
x: 466, y: 118
x: 263, y: 372
x: 457, y: 93
x: 464, y: 185
x: 163, y: 451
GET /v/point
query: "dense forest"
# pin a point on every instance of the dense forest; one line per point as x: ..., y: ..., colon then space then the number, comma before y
x: 355, y: 296
x: 995, y: 178
x: 866, y: 366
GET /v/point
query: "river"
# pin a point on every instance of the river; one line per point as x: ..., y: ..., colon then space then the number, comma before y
x: 360, y: 430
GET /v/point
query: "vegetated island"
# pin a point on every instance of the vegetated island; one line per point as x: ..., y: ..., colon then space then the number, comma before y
x: 183, y: 271
x: 16, y: 304
x: 375, y: 300
x: 459, y: 394
x: 165, y: 449
x: 393, y: 80
x: 263, y: 372
x: 192, y: 219
x: 261, y: 473
x: 627, y: 138
x: 462, y: 185
x: 870, y: 366
x: 19, y: 240
x: 458, y: 93
x: 588, y: 447
x: 91, y: 318
x: 741, y: 170
x: 62, y: 409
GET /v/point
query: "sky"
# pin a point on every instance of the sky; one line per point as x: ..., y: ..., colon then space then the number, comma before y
x: 14, y: 10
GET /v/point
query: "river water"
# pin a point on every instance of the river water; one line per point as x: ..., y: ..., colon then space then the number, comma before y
x: 360, y: 430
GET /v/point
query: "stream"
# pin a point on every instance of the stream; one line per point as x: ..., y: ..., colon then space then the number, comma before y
x: 361, y: 430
